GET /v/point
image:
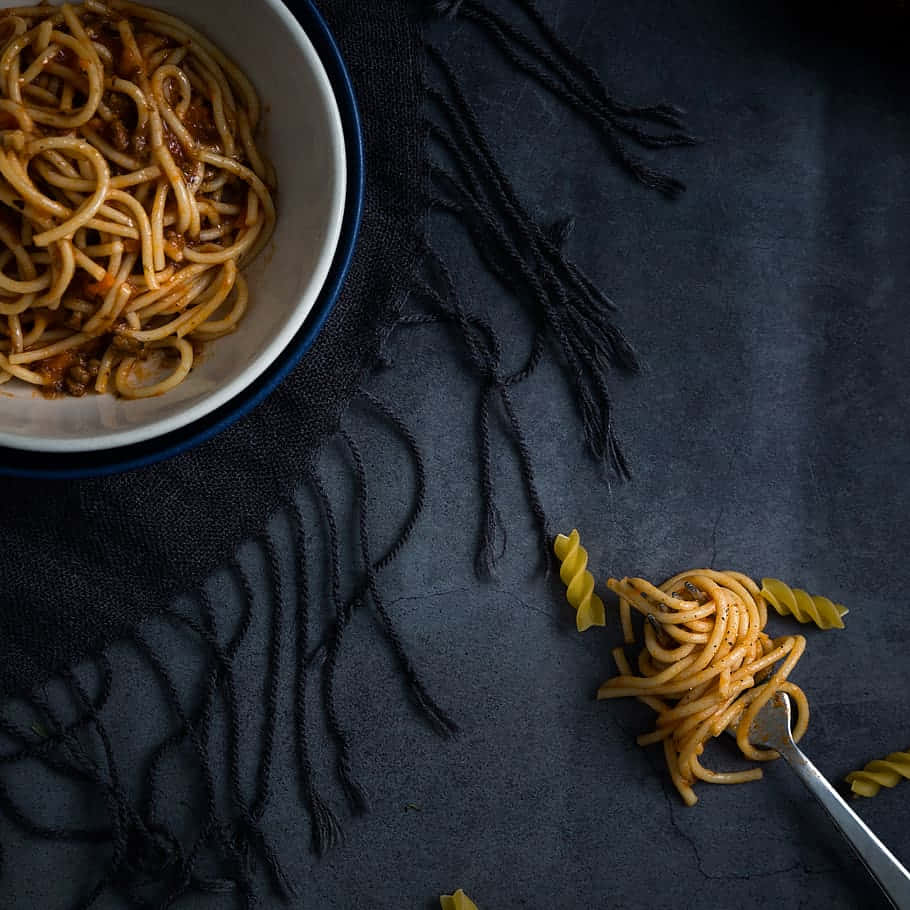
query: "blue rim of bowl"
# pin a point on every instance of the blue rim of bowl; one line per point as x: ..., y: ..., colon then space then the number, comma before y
x: 75, y: 466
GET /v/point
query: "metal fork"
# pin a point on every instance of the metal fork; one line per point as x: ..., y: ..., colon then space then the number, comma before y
x: 771, y: 730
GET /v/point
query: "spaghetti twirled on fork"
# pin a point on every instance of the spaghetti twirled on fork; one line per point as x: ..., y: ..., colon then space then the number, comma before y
x: 133, y: 193
x: 707, y: 666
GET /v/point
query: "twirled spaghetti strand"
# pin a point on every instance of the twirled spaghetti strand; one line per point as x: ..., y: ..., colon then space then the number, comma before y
x: 707, y: 666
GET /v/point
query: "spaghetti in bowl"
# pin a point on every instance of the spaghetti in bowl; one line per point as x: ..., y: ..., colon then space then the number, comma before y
x: 158, y: 245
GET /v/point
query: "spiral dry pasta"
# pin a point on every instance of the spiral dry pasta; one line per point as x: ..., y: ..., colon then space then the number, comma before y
x: 804, y: 607
x: 886, y: 772
x: 457, y: 901
x: 589, y: 608
x: 706, y: 666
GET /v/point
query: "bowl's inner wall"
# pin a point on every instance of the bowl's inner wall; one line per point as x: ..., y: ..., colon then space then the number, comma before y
x: 301, y: 134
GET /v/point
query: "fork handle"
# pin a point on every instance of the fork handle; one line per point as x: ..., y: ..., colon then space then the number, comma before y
x: 884, y: 867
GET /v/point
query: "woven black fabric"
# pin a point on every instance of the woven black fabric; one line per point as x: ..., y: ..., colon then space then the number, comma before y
x: 85, y: 560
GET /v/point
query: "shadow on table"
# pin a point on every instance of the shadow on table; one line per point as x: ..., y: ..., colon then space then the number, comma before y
x: 840, y: 33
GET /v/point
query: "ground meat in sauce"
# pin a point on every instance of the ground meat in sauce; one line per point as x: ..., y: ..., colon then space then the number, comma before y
x: 175, y: 239
x: 123, y: 108
x: 67, y: 57
x: 125, y: 344
x: 74, y: 321
x: 72, y: 372
x: 128, y: 64
x: 106, y: 34
x: 118, y: 135
x: 148, y: 43
x: 200, y: 121
x: 181, y: 158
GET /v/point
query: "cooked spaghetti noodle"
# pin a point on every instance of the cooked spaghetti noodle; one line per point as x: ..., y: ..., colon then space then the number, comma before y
x: 707, y: 666
x: 133, y: 193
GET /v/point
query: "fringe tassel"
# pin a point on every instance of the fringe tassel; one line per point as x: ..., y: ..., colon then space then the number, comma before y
x: 438, y: 718
x: 354, y: 792
x: 146, y: 855
x: 326, y: 828
x: 526, y: 258
x: 560, y: 71
x: 485, y: 357
x: 536, y: 271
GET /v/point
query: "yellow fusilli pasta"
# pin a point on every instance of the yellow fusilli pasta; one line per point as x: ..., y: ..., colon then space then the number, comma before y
x: 803, y: 606
x: 457, y: 901
x: 887, y: 772
x: 579, y: 582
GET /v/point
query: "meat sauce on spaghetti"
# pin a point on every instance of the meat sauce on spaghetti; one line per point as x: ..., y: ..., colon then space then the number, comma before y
x: 132, y: 196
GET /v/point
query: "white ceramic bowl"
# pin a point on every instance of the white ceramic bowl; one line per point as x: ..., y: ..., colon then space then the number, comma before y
x: 305, y: 140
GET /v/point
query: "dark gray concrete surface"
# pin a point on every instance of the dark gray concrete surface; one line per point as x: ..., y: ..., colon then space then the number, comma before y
x: 768, y: 435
